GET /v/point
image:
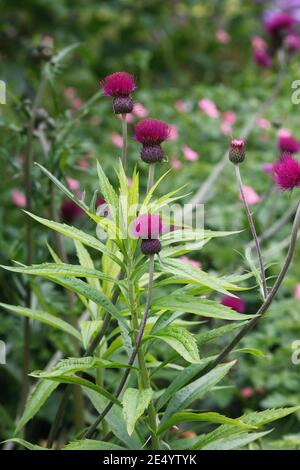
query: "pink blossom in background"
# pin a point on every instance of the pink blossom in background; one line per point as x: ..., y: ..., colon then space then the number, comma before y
x: 262, y: 58
x: 139, y: 110
x: 176, y: 164
x: 260, y: 390
x: 117, y: 139
x: 181, y: 106
x: 250, y: 195
x: 286, y: 142
x: 129, y: 181
x: 209, y: 108
x: 292, y: 42
x: 189, y: 154
x: 70, y: 93
x: 235, y: 303
x: 247, y: 392
x: 84, y: 164
x: 284, y: 133
x: 297, y: 291
x: 72, y: 183
x: 76, y: 103
x: 268, y: 168
x: 263, y: 123
x: 229, y: 116
x: 192, y: 262
x: 222, y: 36
x: 259, y: 43
x: 18, y: 198
x: 226, y: 128
x: 173, y: 132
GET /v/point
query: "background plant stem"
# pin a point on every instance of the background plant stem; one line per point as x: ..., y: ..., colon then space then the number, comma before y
x: 151, y: 171
x: 28, y: 182
x: 254, y: 234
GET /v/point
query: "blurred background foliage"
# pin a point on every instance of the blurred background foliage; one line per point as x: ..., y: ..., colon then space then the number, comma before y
x: 178, y: 54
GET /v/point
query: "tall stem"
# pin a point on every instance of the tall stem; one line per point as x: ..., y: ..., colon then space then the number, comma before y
x: 253, y: 230
x: 143, y: 368
x: 92, y: 429
x: 264, y: 307
x: 151, y: 172
x: 29, y: 235
x: 124, y: 134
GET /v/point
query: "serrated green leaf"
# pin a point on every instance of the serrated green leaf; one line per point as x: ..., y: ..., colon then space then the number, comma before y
x: 234, y: 442
x: 135, y: 402
x: 89, y: 330
x: 195, y: 390
x: 43, y: 317
x: 198, y: 306
x: 181, y: 340
x: 91, y: 444
x: 40, y: 393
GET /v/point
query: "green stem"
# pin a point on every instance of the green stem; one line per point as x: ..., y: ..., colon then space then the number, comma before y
x: 143, y: 368
x: 124, y: 134
x: 266, y: 304
x: 92, y: 429
x: 253, y: 231
x: 28, y: 182
x: 151, y: 172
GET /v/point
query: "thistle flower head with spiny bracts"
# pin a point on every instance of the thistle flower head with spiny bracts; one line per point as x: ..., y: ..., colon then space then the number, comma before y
x: 287, y: 172
x: 120, y: 85
x: 148, y: 227
x: 237, y: 151
x: 151, y: 133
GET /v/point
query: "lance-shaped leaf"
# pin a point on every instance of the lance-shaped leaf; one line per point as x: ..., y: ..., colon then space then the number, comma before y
x: 92, y: 444
x: 181, y: 340
x: 43, y: 317
x: 135, y: 402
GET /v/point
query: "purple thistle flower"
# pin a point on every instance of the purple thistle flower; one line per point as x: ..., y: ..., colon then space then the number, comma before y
x: 287, y: 172
x: 120, y: 85
x: 279, y: 22
x: 151, y: 133
x: 235, y: 303
x: 262, y: 58
x: 287, y: 143
x: 70, y: 211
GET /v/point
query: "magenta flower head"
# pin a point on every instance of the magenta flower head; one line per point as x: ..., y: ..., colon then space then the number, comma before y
x: 151, y: 133
x: 279, y: 23
x: 70, y: 211
x: 262, y: 58
x: 287, y: 173
x: 292, y: 42
x: 148, y: 227
x: 235, y: 303
x: 287, y: 143
x: 120, y: 85
x: 237, y: 151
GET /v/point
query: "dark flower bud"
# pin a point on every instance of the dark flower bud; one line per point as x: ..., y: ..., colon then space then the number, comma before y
x: 150, y: 246
x: 237, y: 151
x: 152, y: 153
x: 122, y: 104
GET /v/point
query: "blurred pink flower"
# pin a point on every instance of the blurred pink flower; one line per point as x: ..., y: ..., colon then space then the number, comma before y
x: 76, y: 103
x: 173, y: 133
x: 18, y: 198
x: 129, y: 181
x: 117, y: 139
x: 262, y: 58
x: 247, y: 392
x: 229, y: 117
x: 181, y: 106
x: 292, y: 42
x: 268, y: 168
x: 70, y: 93
x: 70, y: 211
x: 189, y: 154
x: 259, y: 43
x: 260, y: 390
x: 139, y: 110
x: 176, y: 164
x: 222, y: 36
x: 250, y: 195
x: 297, y: 291
x: 209, y: 108
x: 286, y: 142
x: 192, y: 262
x: 226, y: 128
x: 72, y: 183
x: 84, y: 164
x: 235, y: 303
x: 263, y: 123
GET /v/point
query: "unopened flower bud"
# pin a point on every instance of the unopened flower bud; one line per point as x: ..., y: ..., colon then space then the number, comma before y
x: 237, y: 151
x: 150, y: 246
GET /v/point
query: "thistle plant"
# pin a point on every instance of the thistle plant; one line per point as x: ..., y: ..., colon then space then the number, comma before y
x: 132, y: 293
